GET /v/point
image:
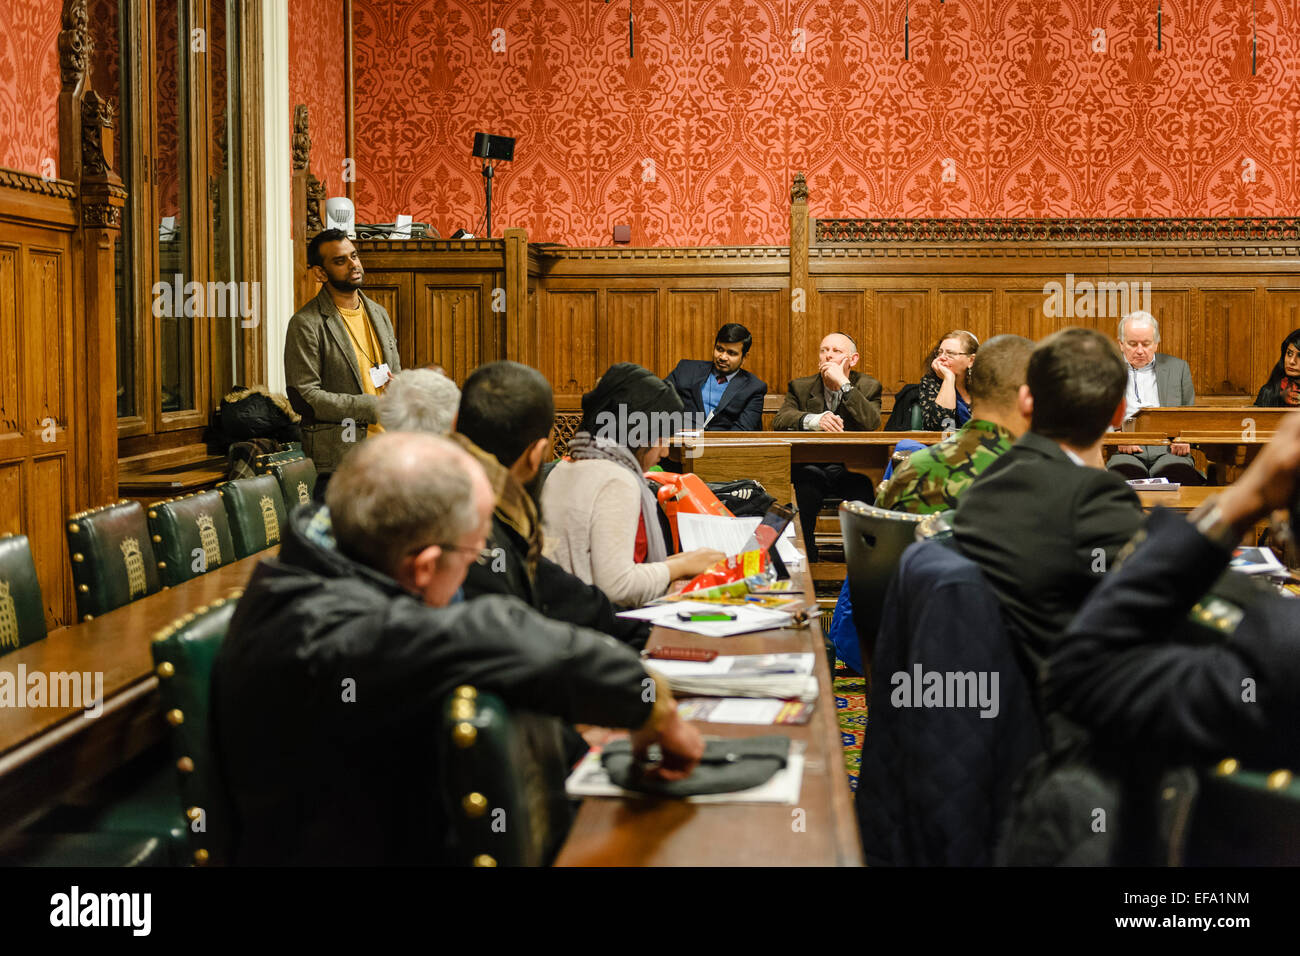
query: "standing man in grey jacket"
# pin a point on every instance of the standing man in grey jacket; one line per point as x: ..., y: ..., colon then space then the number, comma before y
x: 339, y: 353
x: 1154, y: 379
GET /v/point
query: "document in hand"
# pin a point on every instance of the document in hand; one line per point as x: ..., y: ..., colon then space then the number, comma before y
x: 729, y: 535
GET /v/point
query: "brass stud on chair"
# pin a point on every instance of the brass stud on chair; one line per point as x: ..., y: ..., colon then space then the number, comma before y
x: 89, y: 617
x: 166, y: 669
x: 474, y: 805
x: 175, y: 717
x: 465, y: 691
x: 1279, y: 779
x: 162, y: 565
x: 1227, y: 767
x: 74, y: 528
x: 200, y: 857
x: 83, y: 588
x: 152, y: 513
x: 464, y: 734
x: 484, y: 860
x: 185, y: 765
x: 78, y: 558
x: 462, y: 709
x: 157, y: 539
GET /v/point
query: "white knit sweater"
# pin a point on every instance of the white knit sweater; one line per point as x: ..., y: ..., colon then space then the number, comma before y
x: 590, y: 511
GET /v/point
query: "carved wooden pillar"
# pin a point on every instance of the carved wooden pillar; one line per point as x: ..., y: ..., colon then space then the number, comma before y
x: 86, y: 160
x: 802, y: 301
x: 102, y: 199
x: 302, y: 280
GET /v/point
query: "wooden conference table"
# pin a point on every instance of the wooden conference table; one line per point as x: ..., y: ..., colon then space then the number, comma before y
x: 48, y: 753
x: 820, y: 830
x: 768, y: 456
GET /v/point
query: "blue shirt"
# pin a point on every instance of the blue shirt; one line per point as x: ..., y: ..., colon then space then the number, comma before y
x: 713, y: 389
x: 963, y: 413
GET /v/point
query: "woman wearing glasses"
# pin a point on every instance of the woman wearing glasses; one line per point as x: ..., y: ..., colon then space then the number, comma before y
x: 945, y: 403
x: 1282, y: 390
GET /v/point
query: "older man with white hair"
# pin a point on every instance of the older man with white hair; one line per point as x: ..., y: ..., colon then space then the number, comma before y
x: 419, y: 400
x: 1154, y: 379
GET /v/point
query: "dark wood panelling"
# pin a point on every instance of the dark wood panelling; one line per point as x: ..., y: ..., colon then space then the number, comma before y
x: 9, y: 334
x: 899, y: 337
x: 766, y: 313
x: 449, y: 328
x: 693, y: 320
x: 628, y: 330
x: 568, y: 342
x: 1225, y: 359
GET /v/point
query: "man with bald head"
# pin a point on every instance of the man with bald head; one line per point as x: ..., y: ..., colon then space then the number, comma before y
x: 1154, y: 379
x: 342, y: 651
x: 837, y: 398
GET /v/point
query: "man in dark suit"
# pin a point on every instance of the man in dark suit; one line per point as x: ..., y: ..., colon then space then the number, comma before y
x: 720, y: 393
x: 1154, y: 379
x: 1045, y: 521
x: 1134, y: 670
x: 838, y: 398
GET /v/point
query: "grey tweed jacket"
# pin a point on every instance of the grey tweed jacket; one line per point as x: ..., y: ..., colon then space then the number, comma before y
x: 323, y: 379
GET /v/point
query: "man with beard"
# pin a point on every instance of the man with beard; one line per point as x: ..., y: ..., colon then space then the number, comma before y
x: 339, y: 353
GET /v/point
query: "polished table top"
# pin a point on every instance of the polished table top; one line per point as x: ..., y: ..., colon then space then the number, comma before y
x: 820, y: 830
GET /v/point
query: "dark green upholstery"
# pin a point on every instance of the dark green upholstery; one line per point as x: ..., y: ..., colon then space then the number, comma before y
x: 503, y: 782
x: 874, y: 542
x: 22, y: 614
x: 256, y: 511
x: 264, y: 462
x: 113, y: 560
x: 183, y: 655
x: 916, y: 420
x: 297, y: 478
x: 191, y: 536
x: 1245, y: 818
x: 85, y: 849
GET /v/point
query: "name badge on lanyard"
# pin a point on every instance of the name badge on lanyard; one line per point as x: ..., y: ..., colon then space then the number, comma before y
x: 380, y: 374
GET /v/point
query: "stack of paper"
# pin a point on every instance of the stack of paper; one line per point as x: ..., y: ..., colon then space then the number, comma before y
x: 748, y: 675
x: 730, y: 535
x: 748, y: 618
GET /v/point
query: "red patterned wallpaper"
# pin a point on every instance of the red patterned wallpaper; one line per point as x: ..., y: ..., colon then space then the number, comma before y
x: 29, y: 84
x: 1006, y: 108
x: 316, y: 77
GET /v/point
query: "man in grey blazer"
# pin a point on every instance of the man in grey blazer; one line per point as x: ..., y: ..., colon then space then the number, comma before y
x: 1154, y: 379
x: 335, y: 367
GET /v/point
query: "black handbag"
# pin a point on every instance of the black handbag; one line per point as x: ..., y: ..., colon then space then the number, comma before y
x: 728, y: 765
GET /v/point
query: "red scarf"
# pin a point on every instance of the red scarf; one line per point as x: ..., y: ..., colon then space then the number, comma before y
x: 1289, y: 388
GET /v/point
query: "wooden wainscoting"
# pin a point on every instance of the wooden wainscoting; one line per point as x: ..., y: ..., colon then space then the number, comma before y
x: 42, y: 413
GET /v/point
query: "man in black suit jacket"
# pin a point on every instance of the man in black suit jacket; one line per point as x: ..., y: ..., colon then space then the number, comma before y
x: 1046, y: 520
x: 1135, y: 671
x: 720, y: 393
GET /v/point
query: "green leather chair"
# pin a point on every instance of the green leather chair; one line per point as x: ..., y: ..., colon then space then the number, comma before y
x: 256, y: 511
x: 113, y: 561
x: 1245, y: 818
x: 22, y: 613
x: 264, y: 462
x: 183, y: 655
x: 297, y: 478
x: 874, y: 542
x: 188, y: 531
x: 502, y: 780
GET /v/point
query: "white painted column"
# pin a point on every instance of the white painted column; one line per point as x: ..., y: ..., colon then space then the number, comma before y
x: 277, y: 220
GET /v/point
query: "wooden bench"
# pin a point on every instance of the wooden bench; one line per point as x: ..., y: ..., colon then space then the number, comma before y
x: 169, y: 473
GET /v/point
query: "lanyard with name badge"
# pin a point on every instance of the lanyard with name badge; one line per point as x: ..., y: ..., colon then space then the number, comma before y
x: 380, y: 373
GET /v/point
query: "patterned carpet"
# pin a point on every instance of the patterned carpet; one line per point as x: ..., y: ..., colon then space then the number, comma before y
x: 851, y: 702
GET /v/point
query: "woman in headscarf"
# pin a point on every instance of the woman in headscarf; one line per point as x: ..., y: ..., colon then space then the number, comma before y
x: 600, y: 521
x: 945, y: 402
x: 1282, y: 390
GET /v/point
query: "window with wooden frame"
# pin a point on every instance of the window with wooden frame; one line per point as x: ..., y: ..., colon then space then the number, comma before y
x: 189, y: 262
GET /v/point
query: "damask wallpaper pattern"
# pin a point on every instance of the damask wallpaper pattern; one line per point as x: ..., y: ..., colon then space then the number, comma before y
x: 1005, y: 108
x: 29, y: 84
x: 316, y: 77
